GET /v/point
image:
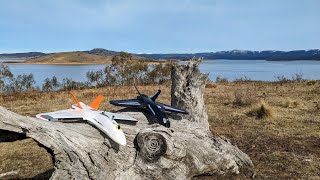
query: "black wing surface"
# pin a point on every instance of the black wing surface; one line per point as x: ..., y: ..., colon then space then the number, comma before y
x: 172, y: 109
x: 133, y: 103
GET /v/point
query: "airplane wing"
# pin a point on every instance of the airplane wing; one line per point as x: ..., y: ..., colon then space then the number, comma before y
x: 117, y: 116
x: 63, y: 115
x: 171, y: 109
x: 132, y: 103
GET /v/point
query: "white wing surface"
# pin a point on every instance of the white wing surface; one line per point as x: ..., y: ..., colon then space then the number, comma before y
x: 116, y: 116
x: 63, y: 115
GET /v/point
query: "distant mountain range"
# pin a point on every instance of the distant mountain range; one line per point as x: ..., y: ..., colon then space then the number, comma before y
x: 313, y: 54
x: 244, y: 55
x: 22, y: 55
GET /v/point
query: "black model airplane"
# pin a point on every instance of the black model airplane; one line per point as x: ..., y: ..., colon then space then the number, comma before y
x: 149, y: 103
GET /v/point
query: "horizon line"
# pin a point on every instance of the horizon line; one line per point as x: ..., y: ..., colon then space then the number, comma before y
x: 49, y: 52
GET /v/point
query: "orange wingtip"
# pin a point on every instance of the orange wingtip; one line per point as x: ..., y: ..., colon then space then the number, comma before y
x: 96, y: 103
x: 76, y: 100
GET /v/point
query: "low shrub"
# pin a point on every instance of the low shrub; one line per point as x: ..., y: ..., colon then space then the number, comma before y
x: 311, y: 83
x: 243, y: 99
x: 211, y: 85
x: 242, y: 79
x: 262, y: 111
x: 289, y: 103
x: 220, y: 79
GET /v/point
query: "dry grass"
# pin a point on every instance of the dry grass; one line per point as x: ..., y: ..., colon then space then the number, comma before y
x: 285, y: 148
x: 24, y: 157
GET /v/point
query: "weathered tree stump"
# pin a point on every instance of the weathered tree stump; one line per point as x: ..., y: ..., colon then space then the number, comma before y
x: 184, y: 150
x: 187, y: 90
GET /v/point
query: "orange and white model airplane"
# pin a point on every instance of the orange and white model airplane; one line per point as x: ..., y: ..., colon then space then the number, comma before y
x: 105, y: 121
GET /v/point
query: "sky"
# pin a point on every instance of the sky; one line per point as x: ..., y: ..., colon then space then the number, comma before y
x: 158, y: 26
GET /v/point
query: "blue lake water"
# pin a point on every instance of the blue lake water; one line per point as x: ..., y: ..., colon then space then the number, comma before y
x: 42, y: 71
x: 260, y: 70
x: 10, y: 60
x: 231, y: 69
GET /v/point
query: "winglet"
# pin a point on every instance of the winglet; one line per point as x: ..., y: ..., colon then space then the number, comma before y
x: 76, y: 100
x: 96, y: 103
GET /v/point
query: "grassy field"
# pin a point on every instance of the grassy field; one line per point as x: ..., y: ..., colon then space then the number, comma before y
x: 276, y: 124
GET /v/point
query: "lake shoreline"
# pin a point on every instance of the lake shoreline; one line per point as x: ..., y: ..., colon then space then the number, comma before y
x: 27, y: 63
x: 76, y: 63
x: 108, y: 63
x: 218, y: 70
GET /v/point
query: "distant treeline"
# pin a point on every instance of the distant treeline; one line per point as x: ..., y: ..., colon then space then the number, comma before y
x: 122, y: 71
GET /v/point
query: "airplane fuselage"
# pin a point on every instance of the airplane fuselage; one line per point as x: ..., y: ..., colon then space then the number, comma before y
x: 156, y: 109
x: 97, y: 118
x: 149, y: 105
x: 108, y: 126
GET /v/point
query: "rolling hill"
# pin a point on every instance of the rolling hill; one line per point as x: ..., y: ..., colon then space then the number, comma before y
x: 70, y: 58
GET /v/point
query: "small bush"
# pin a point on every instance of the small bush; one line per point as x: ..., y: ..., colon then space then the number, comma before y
x: 311, y: 83
x: 298, y: 77
x: 5, y: 74
x: 241, y: 99
x: 290, y: 104
x: 95, y: 78
x: 282, y: 79
x: 242, y: 79
x: 51, y: 84
x: 220, y: 79
x: 69, y: 84
x: 21, y: 83
x: 262, y: 111
x: 211, y: 85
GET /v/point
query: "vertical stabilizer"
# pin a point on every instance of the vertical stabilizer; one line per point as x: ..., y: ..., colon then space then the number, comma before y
x: 155, y: 96
x: 76, y: 100
x: 96, y: 103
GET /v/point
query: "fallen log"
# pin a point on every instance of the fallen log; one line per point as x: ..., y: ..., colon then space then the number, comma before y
x: 184, y: 150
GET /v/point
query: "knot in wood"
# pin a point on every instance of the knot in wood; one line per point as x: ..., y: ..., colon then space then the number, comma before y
x: 151, y: 146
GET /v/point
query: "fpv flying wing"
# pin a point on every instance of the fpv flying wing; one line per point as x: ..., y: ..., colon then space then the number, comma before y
x: 105, y: 121
x: 149, y: 103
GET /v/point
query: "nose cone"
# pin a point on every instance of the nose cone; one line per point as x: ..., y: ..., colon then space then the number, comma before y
x: 121, y: 138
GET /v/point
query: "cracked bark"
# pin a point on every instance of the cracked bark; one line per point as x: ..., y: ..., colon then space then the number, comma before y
x: 184, y: 150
